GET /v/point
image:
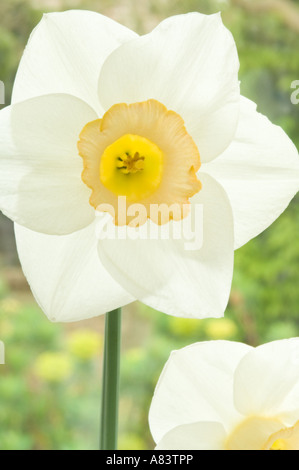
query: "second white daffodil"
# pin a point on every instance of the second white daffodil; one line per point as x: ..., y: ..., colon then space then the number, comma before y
x: 100, y: 113
x: 221, y: 395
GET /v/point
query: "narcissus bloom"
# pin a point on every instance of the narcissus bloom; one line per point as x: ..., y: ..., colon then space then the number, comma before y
x: 101, y: 114
x: 221, y: 395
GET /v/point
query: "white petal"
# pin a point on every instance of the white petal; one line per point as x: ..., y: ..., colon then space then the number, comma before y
x: 195, y: 436
x: 40, y: 168
x: 267, y: 380
x: 190, y: 64
x: 65, y: 54
x: 196, y: 385
x: 165, y: 274
x: 259, y: 171
x: 66, y: 276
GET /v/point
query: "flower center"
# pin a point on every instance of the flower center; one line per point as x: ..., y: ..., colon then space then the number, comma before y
x: 279, y: 444
x: 132, y: 167
x: 263, y: 433
x: 128, y: 164
x: 142, y: 152
x: 284, y: 439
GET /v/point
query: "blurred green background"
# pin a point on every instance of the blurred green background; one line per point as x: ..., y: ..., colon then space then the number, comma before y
x: 50, y: 387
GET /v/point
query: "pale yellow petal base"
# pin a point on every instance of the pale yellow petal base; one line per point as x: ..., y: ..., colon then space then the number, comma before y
x: 285, y: 439
x: 252, y: 433
x: 263, y: 433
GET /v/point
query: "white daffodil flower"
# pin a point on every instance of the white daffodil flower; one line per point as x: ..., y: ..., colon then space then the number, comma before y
x: 99, y: 114
x: 221, y: 395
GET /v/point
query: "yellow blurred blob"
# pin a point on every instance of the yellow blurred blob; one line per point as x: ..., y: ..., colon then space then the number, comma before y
x: 184, y: 326
x: 131, y: 442
x: 6, y: 328
x: 220, y: 328
x: 132, y: 167
x: 53, y: 366
x: 134, y: 356
x: 85, y: 344
x: 9, y: 305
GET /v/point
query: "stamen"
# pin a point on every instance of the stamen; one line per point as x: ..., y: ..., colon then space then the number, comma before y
x: 128, y: 164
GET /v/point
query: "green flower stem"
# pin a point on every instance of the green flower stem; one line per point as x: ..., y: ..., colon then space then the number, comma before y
x: 110, y: 393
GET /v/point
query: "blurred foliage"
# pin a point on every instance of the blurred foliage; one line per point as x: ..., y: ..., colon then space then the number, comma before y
x: 60, y: 409
x: 17, y: 20
x: 49, y: 398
